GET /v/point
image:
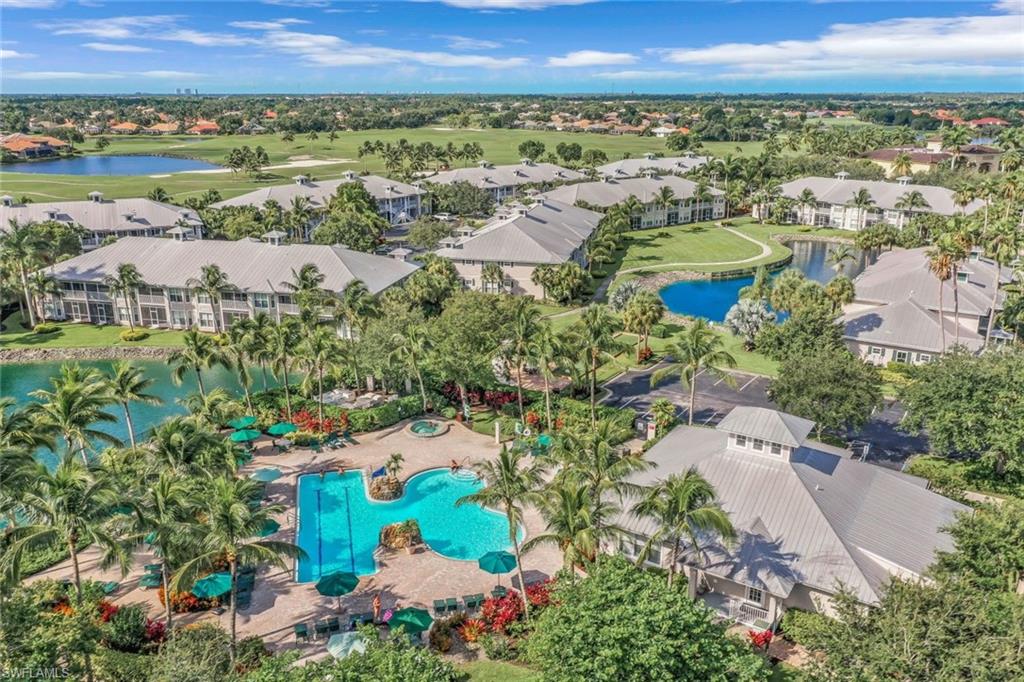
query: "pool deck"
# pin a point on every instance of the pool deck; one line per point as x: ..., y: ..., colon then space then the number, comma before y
x: 278, y: 602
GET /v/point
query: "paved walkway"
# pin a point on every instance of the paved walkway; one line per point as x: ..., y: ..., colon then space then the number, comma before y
x: 409, y: 580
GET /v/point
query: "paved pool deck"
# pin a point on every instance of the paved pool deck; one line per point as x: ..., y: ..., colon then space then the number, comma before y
x: 403, y: 579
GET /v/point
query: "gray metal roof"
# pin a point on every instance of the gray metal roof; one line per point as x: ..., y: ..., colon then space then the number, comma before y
x: 319, y: 193
x: 547, y: 232
x: 905, y: 324
x: 769, y: 425
x: 819, y: 519
x: 611, y: 191
x: 249, y: 264
x: 628, y: 168
x: 492, y: 177
x: 103, y: 215
x: 885, y: 194
x: 904, y: 273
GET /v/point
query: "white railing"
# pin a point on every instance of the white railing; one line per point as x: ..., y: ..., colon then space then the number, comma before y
x: 747, y: 613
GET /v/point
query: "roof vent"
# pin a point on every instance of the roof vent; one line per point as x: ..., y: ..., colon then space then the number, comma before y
x: 52, y: 213
x: 903, y: 180
x: 7, y: 200
x: 95, y: 196
x: 483, y: 163
x: 649, y: 155
x: 842, y: 175
x: 275, y: 237
x: 526, y: 162
x: 301, y: 179
x: 129, y: 215
x: 349, y: 175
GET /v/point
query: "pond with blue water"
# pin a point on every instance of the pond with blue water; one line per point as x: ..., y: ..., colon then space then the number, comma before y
x: 113, y: 164
x: 712, y: 298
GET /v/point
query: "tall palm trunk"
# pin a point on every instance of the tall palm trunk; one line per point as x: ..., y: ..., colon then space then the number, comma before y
x: 547, y: 399
x: 956, y: 310
x: 693, y: 397
x: 287, y: 389
x: 168, y: 611
x: 128, y: 423
x: 234, y: 606
x: 73, y: 551
x: 28, y: 297
x: 674, y: 558
x: 419, y: 380
x: 519, y: 387
x: 992, y: 310
x: 942, y: 324
x: 519, y: 569
x: 199, y: 379
x: 320, y: 393
x: 263, y: 370
x: 593, y: 390
x: 128, y: 307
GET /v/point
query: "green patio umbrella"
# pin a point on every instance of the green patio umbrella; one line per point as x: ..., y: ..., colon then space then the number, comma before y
x: 242, y: 422
x: 213, y: 585
x: 497, y: 563
x: 269, y: 528
x: 244, y: 435
x: 266, y: 475
x: 412, y: 619
x: 336, y: 584
x: 282, y: 429
x: 346, y: 644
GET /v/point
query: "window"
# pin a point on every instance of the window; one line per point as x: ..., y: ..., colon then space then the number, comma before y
x: 177, y: 295
x: 758, y: 444
x: 876, y: 352
x: 901, y: 356
x: 261, y: 301
x: 963, y: 276
x: 924, y: 357
x: 741, y: 441
x: 755, y: 595
x: 284, y: 299
x: 236, y: 296
x: 202, y: 298
x: 179, y: 318
x: 775, y: 448
x: 205, y: 319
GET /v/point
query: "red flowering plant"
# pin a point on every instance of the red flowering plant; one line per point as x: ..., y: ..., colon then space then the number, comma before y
x: 307, y: 421
x: 156, y: 631
x: 760, y: 638
x: 186, y: 602
x: 472, y: 630
x: 107, y: 610
x: 532, y: 419
x: 539, y: 594
x: 501, y: 612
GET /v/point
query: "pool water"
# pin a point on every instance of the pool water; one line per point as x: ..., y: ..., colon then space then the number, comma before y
x: 425, y: 427
x: 339, y: 526
x: 712, y: 298
x: 114, y: 164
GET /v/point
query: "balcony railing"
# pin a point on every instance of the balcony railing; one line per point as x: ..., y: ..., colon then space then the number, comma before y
x: 738, y: 610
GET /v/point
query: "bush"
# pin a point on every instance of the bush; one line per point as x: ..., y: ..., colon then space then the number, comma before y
x: 801, y: 626
x: 196, y: 653
x: 250, y: 653
x: 45, y: 328
x: 449, y: 412
x: 121, y: 666
x: 136, y: 335
x: 498, y: 648
x: 659, y: 331
x: 126, y: 629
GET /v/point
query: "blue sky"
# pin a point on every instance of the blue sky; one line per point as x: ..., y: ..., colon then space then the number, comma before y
x: 534, y: 46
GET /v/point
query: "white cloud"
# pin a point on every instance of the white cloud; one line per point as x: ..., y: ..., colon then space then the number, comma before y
x: 592, y: 58
x: 266, y: 25
x: 14, y: 54
x: 171, y: 74
x: 297, y: 3
x: 204, y: 39
x: 653, y: 74
x: 61, y: 75
x: 923, y: 45
x: 511, y: 4
x: 117, y: 47
x: 466, y: 43
x: 114, y: 28
x: 29, y: 4
x: 330, y: 50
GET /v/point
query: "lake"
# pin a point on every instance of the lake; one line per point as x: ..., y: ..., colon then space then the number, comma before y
x: 124, y: 164
x: 18, y: 380
x: 712, y: 298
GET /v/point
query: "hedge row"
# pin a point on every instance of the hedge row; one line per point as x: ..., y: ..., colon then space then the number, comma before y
x: 359, y: 421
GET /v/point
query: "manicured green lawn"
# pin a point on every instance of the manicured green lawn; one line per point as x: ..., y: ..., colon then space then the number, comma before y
x: 76, y: 335
x: 496, y: 671
x: 500, y: 146
x: 685, y: 244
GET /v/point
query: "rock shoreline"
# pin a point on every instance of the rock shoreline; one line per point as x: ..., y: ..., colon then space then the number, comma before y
x: 10, y: 356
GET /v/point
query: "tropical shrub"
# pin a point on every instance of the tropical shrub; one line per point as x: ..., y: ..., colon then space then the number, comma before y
x: 196, y: 653
x: 45, y: 328
x: 499, y: 613
x: 250, y: 652
x: 126, y: 628
x: 472, y: 630
x: 186, y: 602
x: 659, y: 331
x: 121, y: 666
x: 499, y: 647
x: 621, y: 295
x: 441, y: 632
x: 134, y: 335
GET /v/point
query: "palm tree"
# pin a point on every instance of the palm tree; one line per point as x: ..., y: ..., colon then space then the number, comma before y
x: 699, y: 349
x: 310, y: 296
x: 902, y: 164
x: 78, y: 400
x: 197, y: 352
x: 316, y: 349
x: 159, y: 194
x: 357, y: 306
x: 237, y: 346
x: 525, y: 321
x: 594, y: 458
x: 1003, y: 242
x: 491, y: 273
x: 940, y: 262
x: 807, y: 199
x: 214, y: 409
x: 665, y: 199
x: 281, y: 345
x: 189, y: 446
x: 20, y: 246
x: 595, y: 335
x: 411, y: 348
x: 839, y: 256
x: 210, y: 283
x: 953, y: 139
x: 701, y: 195
x: 910, y: 202
x: 544, y: 350
x: 124, y: 284
x: 42, y: 285
x: 964, y: 194
x: 129, y: 384
x: 576, y: 523
x: 18, y: 428
x: 257, y: 339
x: 642, y: 312
x: 510, y: 483
x: 230, y: 532
x: 862, y: 201
x: 684, y: 507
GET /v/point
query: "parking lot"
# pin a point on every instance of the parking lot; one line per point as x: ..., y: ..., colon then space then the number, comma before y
x: 882, y: 439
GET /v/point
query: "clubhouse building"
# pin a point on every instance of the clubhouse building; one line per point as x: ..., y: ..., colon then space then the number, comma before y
x: 649, y: 190
x: 397, y: 202
x: 831, y: 198
x: 504, y: 182
x: 102, y: 218
x: 259, y: 273
x: 809, y: 519
x: 519, y: 238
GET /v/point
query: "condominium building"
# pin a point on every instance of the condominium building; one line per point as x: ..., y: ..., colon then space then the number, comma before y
x: 258, y: 272
x: 397, y: 202
x: 518, y: 239
x: 504, y: 182
x: 102, y: 218
x: 649, y: 190
x: 662, y: 165
x: 830, y: 202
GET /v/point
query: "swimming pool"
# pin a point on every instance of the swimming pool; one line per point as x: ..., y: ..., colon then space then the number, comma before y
x: 339, y: 526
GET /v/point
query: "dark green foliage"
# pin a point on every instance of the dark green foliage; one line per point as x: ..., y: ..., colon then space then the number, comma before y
x: 989, y: 545
x: 460, y: 198
x: 808, y: 330
x: 126, y: 629
x: 194, y: 654
x: 425, y: 233
x: 368, y: 419
x: 623, y: 624
x: 121, y: 666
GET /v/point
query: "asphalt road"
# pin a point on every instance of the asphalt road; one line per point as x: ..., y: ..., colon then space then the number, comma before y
x: 885, y: 443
